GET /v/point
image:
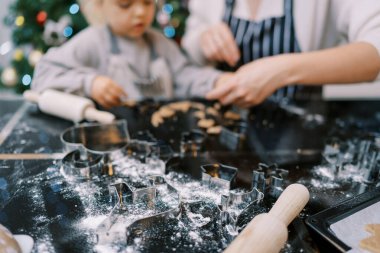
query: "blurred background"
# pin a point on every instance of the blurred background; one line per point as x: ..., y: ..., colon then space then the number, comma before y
x: 30, y: 27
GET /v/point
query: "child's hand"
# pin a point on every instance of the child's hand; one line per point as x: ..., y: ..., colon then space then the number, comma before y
x: 106, y: 92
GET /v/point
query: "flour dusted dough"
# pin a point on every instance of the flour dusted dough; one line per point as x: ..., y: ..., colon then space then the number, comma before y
x: 372, y: 244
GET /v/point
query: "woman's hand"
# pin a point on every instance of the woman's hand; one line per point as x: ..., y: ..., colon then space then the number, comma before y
x: 254, y: 82
x: 218, y: 44
x: 106, y: 92
x: 223, y: 78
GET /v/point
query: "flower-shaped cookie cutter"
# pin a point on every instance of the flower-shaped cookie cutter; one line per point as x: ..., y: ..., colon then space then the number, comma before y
x: 269, y: 178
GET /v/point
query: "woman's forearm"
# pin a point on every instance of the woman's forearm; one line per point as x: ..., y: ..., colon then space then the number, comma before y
x: 353, y: 63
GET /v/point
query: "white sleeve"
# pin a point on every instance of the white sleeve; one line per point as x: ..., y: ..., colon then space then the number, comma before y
x: 359, y: 21
x: 202, y: 15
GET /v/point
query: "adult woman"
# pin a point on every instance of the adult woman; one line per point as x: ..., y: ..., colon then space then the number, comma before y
x: 274, y: 44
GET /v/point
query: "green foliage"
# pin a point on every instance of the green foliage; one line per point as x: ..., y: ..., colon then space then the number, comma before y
x: 31, y: 31
x: 171, y: 15
x: 28, y: 35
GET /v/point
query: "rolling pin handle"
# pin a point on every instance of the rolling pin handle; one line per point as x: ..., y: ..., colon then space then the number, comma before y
x: 31, y: 96
x: 92, y: 114
x: 290, y: 203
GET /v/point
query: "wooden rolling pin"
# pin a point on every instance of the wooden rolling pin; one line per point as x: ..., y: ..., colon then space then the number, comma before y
x: 268, y: 233
x: 68, y: 106
x: 8, y: 242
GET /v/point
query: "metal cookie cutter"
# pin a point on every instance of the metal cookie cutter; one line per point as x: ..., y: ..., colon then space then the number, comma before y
x: 238, y: 198
x: 191, y: 142
x: 96, y: 138
x: 144, y: 135
x: 269, y: 179
x: 186, y: 165
x: 88, y: 145
x: 366, y: 156
x: 126, y: 194
x: 233, y: 208
x: 166, y: 191
x: 140, y: 150
x: 109, y: 163
x: 108, y: 140
x: 135, y: 192
x: 233, y: 135
x: 144, y: 155
x: 74, y: 167
x: 218, y: 219
x: 218, y: 176
x: 159, y: 148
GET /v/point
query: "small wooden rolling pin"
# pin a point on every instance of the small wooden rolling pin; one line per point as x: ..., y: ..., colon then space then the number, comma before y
x: 68, y: 106
x: 268, y: 233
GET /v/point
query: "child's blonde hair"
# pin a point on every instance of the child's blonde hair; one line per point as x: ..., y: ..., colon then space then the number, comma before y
x: 92, y: 11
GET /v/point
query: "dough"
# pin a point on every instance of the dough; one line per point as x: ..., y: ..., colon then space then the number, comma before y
x: 214, y: 130
x: 156, y: 119
x: 232, y: 115
x: 200, y: 114
x: 206, y: 123
x: 183, y: 106
x: 372, y: 244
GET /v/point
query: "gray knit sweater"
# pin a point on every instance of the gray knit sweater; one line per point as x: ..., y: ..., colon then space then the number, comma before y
x: 73, y: 66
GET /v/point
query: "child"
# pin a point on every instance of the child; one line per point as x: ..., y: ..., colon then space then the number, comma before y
x: 125, y: 59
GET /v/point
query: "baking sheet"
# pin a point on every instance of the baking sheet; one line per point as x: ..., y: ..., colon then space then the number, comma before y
x: 351, y: 230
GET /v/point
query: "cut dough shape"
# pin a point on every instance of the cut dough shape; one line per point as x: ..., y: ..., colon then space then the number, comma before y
x: 232, y: 115
x: 372, y: 244
x: 183, y: 106
x: 166, y: 112
x: 214, y: 130
x: 156, y: 119
x: 200, y: 114
x: 206, y: 123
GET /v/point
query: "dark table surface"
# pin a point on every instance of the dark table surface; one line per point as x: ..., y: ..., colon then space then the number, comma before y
x: 34, y: 200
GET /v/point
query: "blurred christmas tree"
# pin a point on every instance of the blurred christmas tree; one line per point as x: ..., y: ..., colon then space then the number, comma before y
x: 38, y: 25
x: 171, y: 18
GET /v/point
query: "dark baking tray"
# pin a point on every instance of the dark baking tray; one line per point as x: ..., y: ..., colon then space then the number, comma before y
x: 320, y: 223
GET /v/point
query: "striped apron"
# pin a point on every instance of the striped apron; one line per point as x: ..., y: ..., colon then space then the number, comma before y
x: 271, y: 36
x: 157, y: 84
